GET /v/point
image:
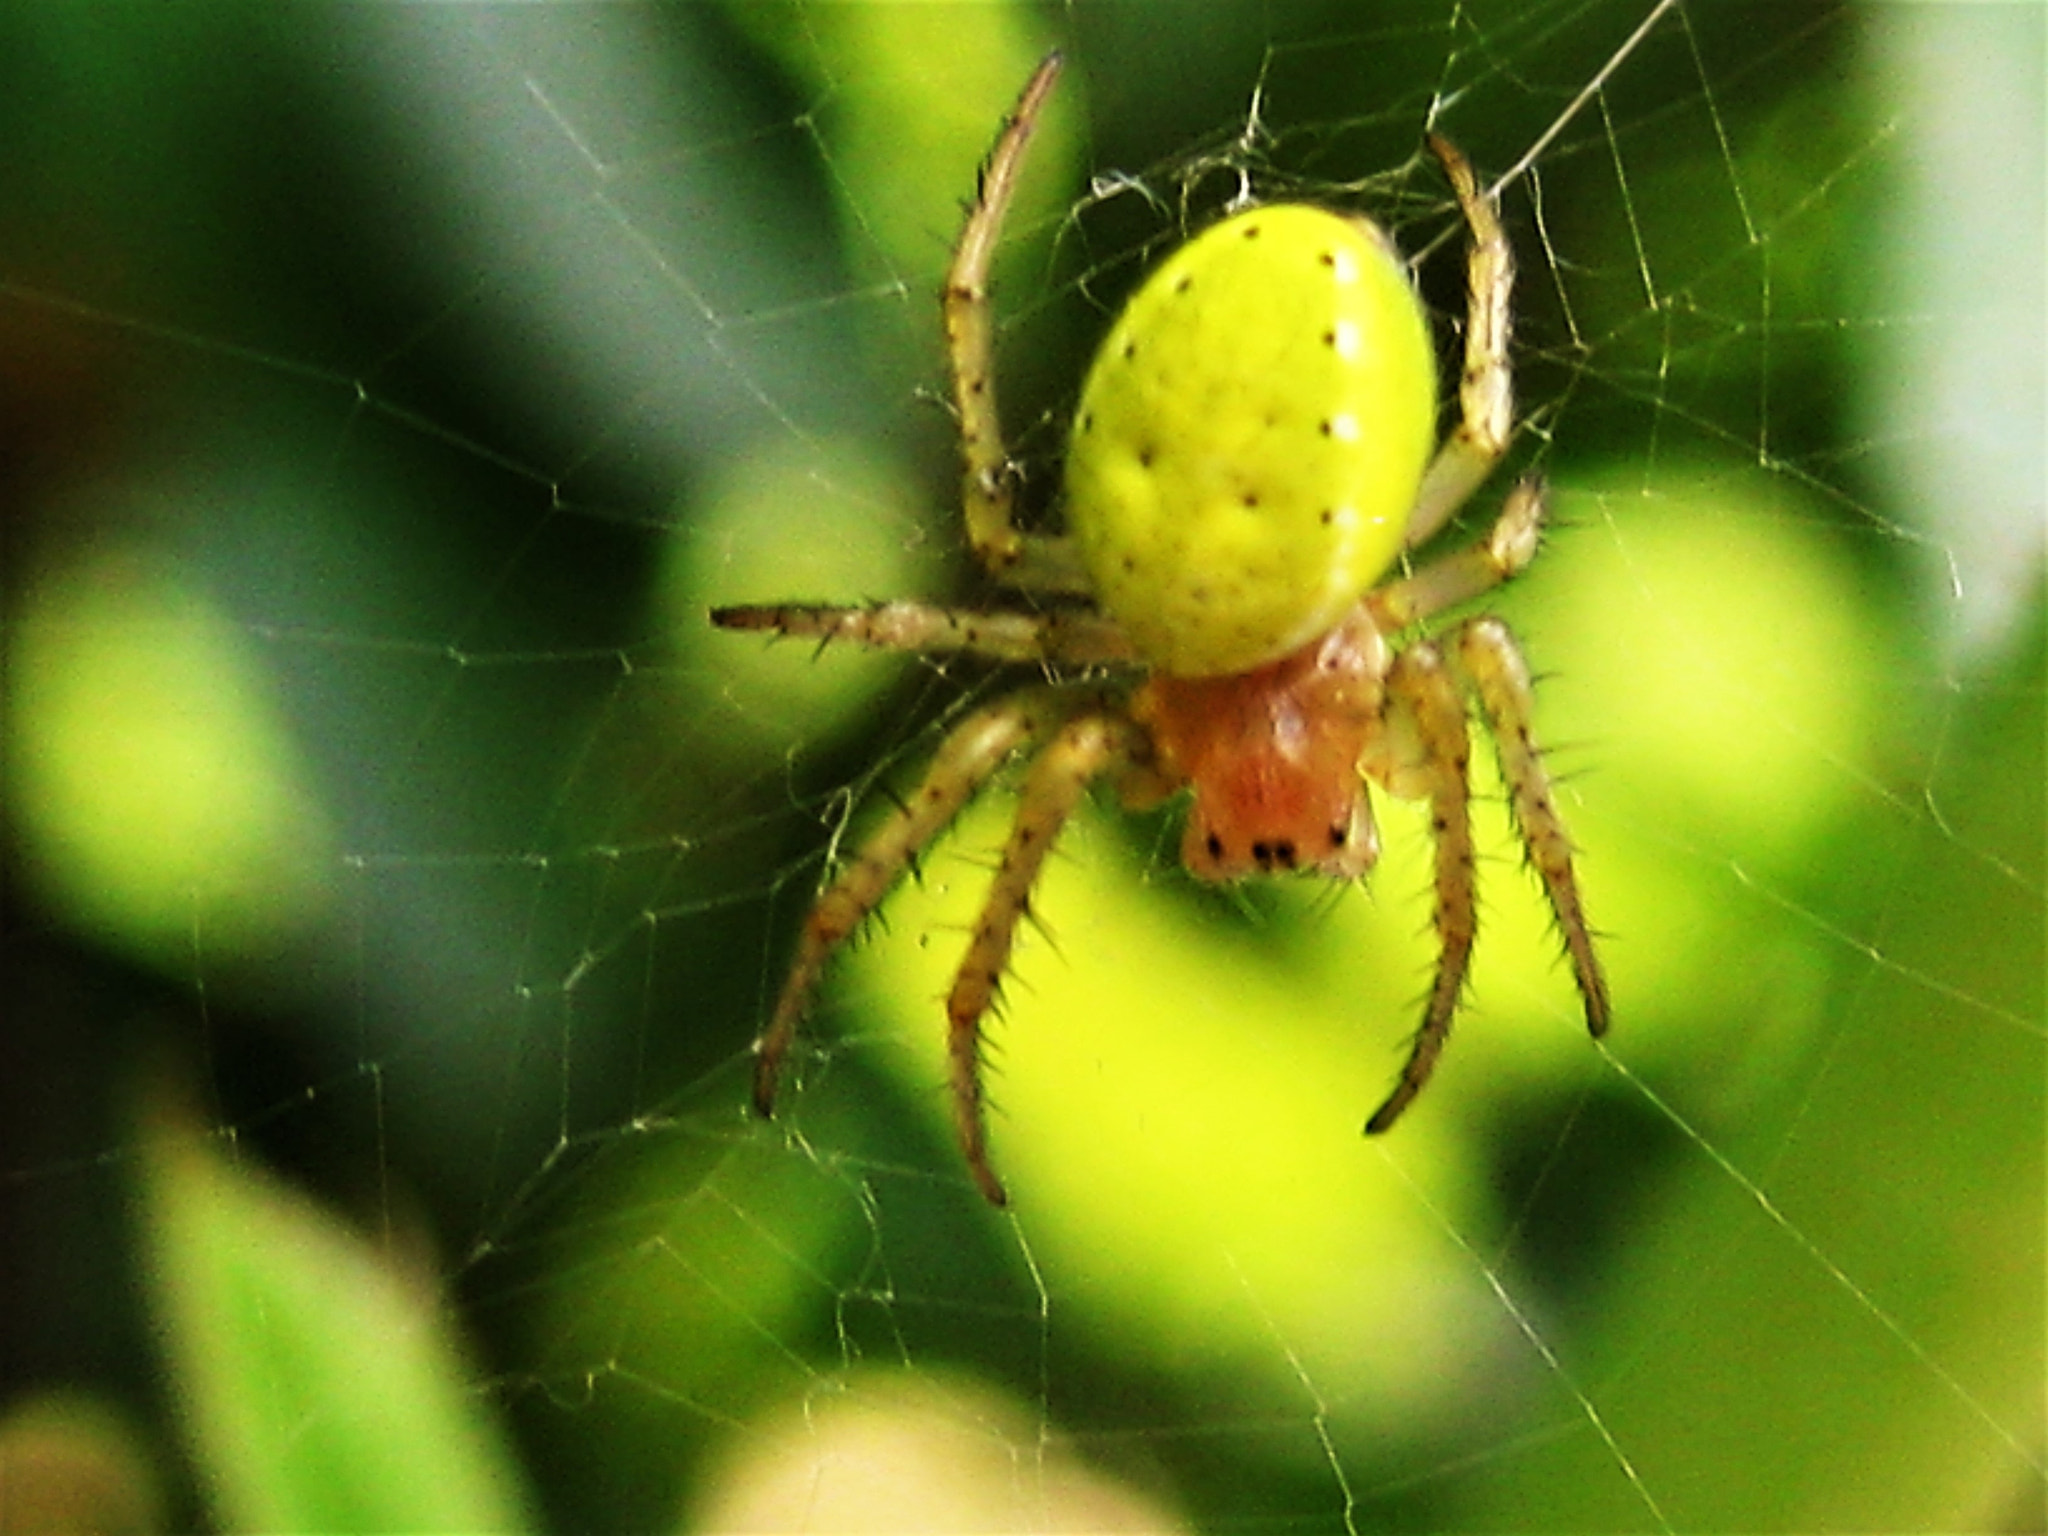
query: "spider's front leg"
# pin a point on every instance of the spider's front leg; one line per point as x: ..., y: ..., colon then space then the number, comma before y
x: 1425, y: 752
x: 967, y: 759
x: 1085, y: 748
x: 1492, y: 666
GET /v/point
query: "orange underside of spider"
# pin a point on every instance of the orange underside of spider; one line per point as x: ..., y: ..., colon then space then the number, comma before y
x: 1277, y: 757
x: 1273, y: 755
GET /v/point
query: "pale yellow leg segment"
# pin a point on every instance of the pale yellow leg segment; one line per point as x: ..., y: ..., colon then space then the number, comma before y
x: 1069, y: 636
x: 1008, y: 555
x: 1486, y: 393
x: 963, y: 764
x: 1492, y: 665
x: 1461, y: 576
x: 1084, y: 749
x: 1427, y: 715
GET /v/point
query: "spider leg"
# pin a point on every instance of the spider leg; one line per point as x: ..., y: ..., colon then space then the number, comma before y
x: 967, y: 758
x: 1071, y: 637
x: 987, y: 485
x: 1486, y: 392
x: 1429, y: 755
x: 1464, y: 574
x: 1491, y: 663
x: 1086, y: 747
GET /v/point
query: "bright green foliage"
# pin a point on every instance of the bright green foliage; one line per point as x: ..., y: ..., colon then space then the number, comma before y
x: 1250, y: 439
x: 315, y: 1378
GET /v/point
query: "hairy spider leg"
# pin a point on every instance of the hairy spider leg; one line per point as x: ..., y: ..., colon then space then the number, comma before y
x: 1071, y: 637
x: 965, y: 761
x: 1486, y: 393
x: 988, y: 483
x: 1085, y: 748
x: 1425, y: 752
x: 1487, y: 662
x: 1470, y: 572
x: 1492, y: 666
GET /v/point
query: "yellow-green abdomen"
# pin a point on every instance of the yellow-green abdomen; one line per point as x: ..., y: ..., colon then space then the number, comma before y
x: 1250, y: 438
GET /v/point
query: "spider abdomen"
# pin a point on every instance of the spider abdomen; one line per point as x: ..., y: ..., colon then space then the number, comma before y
x: 1250, y: 439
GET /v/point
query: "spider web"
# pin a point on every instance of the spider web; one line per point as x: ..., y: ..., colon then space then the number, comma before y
x: 477, y: 351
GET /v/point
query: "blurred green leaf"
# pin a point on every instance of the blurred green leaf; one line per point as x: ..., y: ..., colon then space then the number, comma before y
x: 319, y: 1389
x: 156, y: 784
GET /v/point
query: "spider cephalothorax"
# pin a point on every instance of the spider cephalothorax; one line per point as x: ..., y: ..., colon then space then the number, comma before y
x: 1250, y: 454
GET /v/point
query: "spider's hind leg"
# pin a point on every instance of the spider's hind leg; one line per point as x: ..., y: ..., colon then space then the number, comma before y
x: 1486, y: 392
x: 1013, y: 558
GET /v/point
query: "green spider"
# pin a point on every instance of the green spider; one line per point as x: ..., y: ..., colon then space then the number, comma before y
x: 1253, y: 449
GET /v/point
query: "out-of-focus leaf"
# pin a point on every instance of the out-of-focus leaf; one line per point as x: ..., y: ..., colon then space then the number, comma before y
x: 320, y: 1390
